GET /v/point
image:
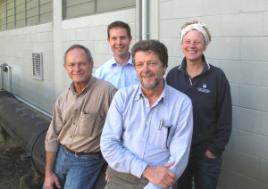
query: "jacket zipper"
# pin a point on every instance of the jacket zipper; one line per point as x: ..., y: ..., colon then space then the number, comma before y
x: 190, y: 82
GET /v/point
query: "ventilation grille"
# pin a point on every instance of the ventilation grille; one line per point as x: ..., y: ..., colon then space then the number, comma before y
x: 37, y: 66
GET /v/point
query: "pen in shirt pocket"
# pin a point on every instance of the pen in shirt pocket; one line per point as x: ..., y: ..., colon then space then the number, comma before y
x: 161, y: 124
x: 168, y: 127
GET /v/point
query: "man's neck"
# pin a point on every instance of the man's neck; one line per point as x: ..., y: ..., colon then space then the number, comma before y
x: 153, y: 94
x: 79, y: 87
x: 123, y: 59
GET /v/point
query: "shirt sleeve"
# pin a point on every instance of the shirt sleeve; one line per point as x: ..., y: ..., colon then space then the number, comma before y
x: 51, y: 140
x: 117, y: 156
x: 181, y: 142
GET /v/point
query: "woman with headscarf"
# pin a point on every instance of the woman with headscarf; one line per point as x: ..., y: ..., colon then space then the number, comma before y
x: 209, y: 90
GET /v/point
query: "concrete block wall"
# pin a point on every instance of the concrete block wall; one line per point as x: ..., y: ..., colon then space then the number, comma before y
x: 239, y: 46
x: 16, y: 50
x: 91, y: 32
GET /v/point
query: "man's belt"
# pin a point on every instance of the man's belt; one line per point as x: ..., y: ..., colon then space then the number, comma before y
x: 81, y: 153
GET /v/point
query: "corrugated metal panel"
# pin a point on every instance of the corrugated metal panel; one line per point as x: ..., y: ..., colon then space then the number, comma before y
x: 103, y: 5
x: 72, y: 9
x: 82, y: 9
x: 3, y: 14
x: 19, y: 13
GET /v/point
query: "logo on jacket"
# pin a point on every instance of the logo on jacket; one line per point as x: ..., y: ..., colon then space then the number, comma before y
x: 203, y: 88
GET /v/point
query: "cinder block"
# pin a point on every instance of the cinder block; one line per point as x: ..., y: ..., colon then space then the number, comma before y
x: 173, y: 45
x: 101, y: 47
x: 253, y: 144
x: 233, y: 144
x: 254, y: 48
x: 264, y: 171
x: 234, y: 180
x: 68, y: 35
x: 225, y: 48
x: 254, y: 73
x: 265, y: 23
x: 254, y: 97
x: 254, y: 6
x: 238, y: 162
x: 251, y: 120
x: 177, y: 9
x: 241, y: 24
x: 170, y: 28
x: 263, y: 141
x: 234, y: 95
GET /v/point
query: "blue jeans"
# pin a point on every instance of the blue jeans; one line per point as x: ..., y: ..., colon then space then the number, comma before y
x: 203, y: 171
x: 77, y: 171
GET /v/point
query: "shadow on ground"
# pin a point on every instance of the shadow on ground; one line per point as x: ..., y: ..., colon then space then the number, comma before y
x: 16, y: 171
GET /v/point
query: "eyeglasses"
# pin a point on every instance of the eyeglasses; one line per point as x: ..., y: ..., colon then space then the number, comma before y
x: 188, y: 42
x: 139, y: 65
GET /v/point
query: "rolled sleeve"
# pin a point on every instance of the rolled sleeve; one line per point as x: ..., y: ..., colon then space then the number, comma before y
x: 51, y: 140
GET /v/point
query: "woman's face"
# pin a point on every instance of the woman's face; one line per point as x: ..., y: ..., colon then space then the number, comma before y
x: 193, y: 45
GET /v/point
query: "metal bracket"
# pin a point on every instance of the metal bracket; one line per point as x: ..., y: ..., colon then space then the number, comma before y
x: 5, y: 67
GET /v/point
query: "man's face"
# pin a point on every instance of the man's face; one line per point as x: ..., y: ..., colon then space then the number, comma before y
x: 78, y: 67
x: 149, y: 69
x: 119, y: 41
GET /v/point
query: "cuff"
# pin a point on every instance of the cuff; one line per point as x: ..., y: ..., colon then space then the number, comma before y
x: 138, y: 168
x: 52, y: 147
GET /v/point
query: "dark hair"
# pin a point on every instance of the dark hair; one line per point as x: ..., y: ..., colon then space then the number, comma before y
x: 77, y: 46
x: 118, y: 24
x: 151, y: 45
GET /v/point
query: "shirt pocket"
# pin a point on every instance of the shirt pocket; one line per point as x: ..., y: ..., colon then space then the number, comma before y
x: 90, y: 124
x: 160, y: 137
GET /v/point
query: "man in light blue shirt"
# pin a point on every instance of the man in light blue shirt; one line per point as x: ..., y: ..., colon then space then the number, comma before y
x: 119, y: 70
x: 148, y: 129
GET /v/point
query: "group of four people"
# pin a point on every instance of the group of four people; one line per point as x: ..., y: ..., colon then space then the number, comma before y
x: 150, y: 134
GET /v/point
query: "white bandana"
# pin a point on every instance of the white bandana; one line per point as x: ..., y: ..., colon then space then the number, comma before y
x: 199, y: 27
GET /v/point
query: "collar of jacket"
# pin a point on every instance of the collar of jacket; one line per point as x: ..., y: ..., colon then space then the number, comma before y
x: 182, y: 66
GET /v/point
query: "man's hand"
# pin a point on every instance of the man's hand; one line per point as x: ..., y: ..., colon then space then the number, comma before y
x: 51, y: 180
x: 107, y: 175
x: 160, y: 175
